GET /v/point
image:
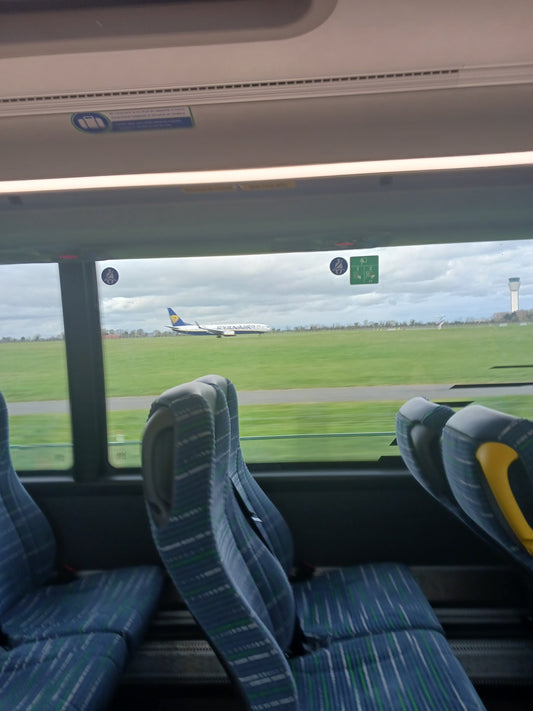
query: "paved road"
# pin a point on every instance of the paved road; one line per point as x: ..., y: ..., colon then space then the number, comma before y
x: 276, y: 397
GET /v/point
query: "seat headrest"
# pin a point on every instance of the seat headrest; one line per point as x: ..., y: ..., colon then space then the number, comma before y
x: 488, y: 456
x: 418, y: 409
x: 195, y: 388
x: 158, y: 443
x: 219, y: 380
x: 419, y: 425
x: 481, y: 424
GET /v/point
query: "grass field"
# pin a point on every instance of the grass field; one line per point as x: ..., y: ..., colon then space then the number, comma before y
x: 147, y: 366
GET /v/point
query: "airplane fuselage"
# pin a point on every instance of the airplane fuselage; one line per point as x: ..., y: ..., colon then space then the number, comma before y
x: 216, y: 329
x: 221, y: 329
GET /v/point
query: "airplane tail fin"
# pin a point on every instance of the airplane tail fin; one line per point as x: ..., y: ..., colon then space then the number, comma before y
x: 176, y: 320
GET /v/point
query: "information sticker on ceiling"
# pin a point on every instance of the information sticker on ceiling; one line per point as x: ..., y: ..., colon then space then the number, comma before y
x: 126, y: 120
x: 364, y: 270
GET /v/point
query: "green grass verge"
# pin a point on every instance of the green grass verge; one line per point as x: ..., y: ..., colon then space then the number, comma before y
x: 320, y: 359
x: 146, y: 366
x: 460, y: 355
x: 271, y: 433
x: 33, y: 371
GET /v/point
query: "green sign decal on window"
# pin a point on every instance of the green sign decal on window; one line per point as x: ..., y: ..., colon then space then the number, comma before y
x: 364, y: 270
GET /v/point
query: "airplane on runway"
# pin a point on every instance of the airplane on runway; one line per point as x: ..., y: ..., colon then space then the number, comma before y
x: 218, y: 330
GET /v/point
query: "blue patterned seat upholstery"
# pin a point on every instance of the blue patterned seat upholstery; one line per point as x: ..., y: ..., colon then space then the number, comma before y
x: 340, y: 603
x: 419, y: 425
x: 73, y: 673
x: 419, y: 431
x: 195, y: 523
x: 240, y: 595
x: 410, y: 669
x: 488, y: 457
x: 35, y: 608
x: 362, y: 599
x: 120, y: 600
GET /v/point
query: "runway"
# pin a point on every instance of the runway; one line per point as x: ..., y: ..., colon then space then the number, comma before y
x: 376, y: 393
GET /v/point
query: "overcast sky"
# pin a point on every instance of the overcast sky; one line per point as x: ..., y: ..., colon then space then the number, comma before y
x: 427, y: 283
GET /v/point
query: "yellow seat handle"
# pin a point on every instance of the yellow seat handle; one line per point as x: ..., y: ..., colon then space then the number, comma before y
x: 495, y: 459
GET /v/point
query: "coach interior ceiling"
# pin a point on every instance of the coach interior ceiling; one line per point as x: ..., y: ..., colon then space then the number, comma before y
x: 246, y: 134
x: 360, y: 81
x: 330, y: 38
x: 321, y: 214
x: 80, y: 27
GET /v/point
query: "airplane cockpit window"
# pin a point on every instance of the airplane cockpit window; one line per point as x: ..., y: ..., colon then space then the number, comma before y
x: 33, y: 377
x: 322, y: 356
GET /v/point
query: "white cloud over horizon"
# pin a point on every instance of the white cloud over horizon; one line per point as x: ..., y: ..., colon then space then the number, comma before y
x: 421, y: 283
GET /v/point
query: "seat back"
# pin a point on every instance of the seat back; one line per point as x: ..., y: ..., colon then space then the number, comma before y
x: 419, y: 425
x: 488, y: 457
x: 26, y: 538
x: 269, y: 520
x: 232, y: 584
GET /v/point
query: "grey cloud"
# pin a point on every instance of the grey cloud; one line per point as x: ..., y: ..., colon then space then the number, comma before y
x: 457, y: 281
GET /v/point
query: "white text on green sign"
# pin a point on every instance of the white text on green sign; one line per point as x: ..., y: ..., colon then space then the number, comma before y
x: 364, y: 270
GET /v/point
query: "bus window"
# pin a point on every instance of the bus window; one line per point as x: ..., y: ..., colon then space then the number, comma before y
x: 321, y: 358
x: 33, y: 377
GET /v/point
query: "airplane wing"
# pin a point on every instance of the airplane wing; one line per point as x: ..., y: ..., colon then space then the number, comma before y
x: 214, y: 331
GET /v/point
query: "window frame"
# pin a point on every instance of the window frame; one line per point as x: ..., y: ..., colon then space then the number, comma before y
x: 85, y: 370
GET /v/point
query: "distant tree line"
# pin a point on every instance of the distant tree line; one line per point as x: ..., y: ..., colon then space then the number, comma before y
x: 34, y: 339
x: 137, y: 333
x: 521, y: 316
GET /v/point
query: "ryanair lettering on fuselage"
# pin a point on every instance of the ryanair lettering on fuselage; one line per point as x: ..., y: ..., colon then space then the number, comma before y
x: 218, y: 330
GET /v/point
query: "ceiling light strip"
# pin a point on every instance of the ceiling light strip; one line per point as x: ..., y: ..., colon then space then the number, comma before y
x: 250, y: 175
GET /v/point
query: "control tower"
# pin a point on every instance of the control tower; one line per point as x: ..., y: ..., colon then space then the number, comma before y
x: 514, y: 286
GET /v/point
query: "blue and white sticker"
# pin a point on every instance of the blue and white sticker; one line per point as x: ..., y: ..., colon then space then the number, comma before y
x: 91, y: 122
x: 110, y: 276
x: 125, y: 120
x: 338, y: 266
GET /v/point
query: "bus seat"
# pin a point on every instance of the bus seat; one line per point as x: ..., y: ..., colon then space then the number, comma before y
x: 419, y: 425
x: 33, y: 604
x: 62, y: 674
x: 240, y: 596
x: 419, y: 430
x: 185, y: 474
x: 488, y: 457
x: 339, y: 603
x: 270, y: 521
